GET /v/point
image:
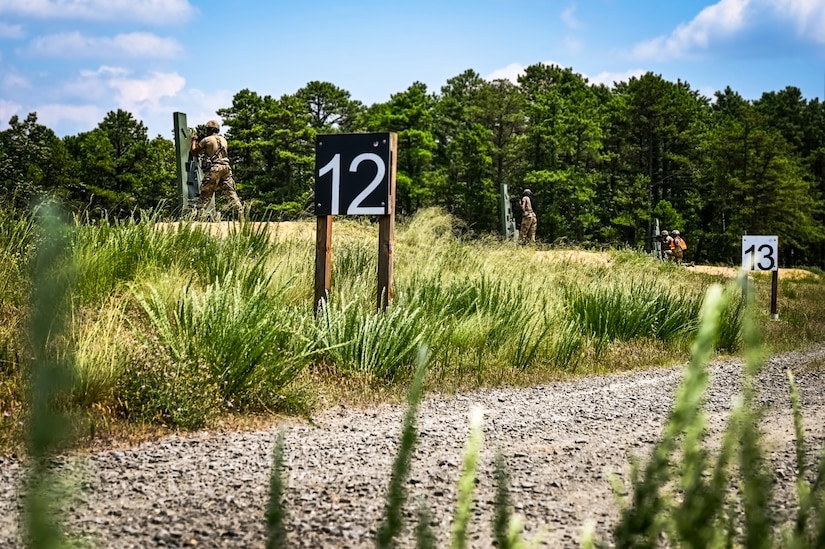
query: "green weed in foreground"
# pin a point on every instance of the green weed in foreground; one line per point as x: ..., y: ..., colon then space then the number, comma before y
x: 392, y: 522
x: 276, y: 509
x: 724, y: 502
x: 49, y: 381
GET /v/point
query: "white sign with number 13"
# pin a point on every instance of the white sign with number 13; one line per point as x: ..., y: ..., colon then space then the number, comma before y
x: 760, y: 253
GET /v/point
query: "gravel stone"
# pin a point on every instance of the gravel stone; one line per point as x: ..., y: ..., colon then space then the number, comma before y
x: 563, y: 443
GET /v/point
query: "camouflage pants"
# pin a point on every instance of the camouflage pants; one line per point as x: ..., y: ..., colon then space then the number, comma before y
x: 219, y: 176
x: 528, y: 228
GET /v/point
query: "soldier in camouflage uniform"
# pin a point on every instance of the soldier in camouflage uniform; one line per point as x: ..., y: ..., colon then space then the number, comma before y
x: 217, y: 173
x: 527, y: 231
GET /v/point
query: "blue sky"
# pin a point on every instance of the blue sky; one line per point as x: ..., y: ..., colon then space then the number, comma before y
x: 72, y: 61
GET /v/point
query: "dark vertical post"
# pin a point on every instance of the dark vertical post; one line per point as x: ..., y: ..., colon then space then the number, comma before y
x: 323, y: 258
x: 182, y: 140
x: 386, y: 234
x: 774, y: 292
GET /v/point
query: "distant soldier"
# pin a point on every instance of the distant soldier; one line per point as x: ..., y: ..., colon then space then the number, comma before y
x: 679, y: 246
x: 217, y: 173
x: 667, y: 245
x: 528, y: 218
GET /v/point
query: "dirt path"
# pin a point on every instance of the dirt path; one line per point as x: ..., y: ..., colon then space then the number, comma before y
x: 562, y: 442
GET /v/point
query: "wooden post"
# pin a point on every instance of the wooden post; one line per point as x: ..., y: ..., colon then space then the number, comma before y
x: 774, y: 292
x: 323, y: 259
x: 386, y: 235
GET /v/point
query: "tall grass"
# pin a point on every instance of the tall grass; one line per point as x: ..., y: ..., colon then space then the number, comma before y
x: 466, y: 482
x: 228, y: 338
x: 98, y: 348
x: 627, y: 311
x: 808, y: 530
x: 381, y: 344
x: 227, y: 310
x: 109, y: 254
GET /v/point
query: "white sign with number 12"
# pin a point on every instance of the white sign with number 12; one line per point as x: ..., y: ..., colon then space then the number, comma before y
x: 760, y: 253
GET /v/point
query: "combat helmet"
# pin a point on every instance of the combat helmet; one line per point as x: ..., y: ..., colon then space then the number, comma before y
x: 676, y: 233
x: 528, y: 191
x: 213, y: 124
x: 664, y: 233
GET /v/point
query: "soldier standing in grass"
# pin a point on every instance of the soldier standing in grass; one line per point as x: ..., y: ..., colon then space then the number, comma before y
x: 217, y: 173
x: 679, y: 247
x: 528, y: 218
x: 667, y: 246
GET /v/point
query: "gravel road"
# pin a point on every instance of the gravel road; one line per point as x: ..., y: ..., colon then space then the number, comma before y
x: 562, y: 443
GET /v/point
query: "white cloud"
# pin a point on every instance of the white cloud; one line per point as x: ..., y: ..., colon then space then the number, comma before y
x: 808, y: 17
x: 55, y: 114
x: 135, y: 92
x: 150, y: 11
x: 133, y: 44
x: 15, y: 80
x: 198, y: 106
x: 729, y: 20
x: 7, y: 110
x: 511, y: 72
x: 719, y: 20
x: 514, y: 70
x: 118, y: 86
x: 151, y: 97
x: 609, y: 78
x: 568, y: 17
x: 11, y: 31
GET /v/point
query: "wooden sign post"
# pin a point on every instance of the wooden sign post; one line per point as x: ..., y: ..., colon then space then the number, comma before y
x: 355, y: 175
x: 761, y: 253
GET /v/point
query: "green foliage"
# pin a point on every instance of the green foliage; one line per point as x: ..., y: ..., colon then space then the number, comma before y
x: 381, y: 344
x: 623, y: 312
x: 392, y: 521
x: 602, y: 161
x: 276, y: 512
x: 34, y: 164
x: 466, y: 482
x: 708, y: 511
x: 668, y: 216
x: 233, y: 331
x: 49, y: 381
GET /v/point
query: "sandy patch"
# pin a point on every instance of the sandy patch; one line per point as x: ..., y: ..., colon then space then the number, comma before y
x: 574, y: 256
x: 306, y: 230
x: 731, y: 272
x: 277, y: 230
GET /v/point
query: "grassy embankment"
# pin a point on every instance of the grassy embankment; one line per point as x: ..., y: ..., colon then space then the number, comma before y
x: 177, y: 327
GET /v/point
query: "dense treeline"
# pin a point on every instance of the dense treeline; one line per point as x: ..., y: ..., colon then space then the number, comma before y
x: 602, y: 162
